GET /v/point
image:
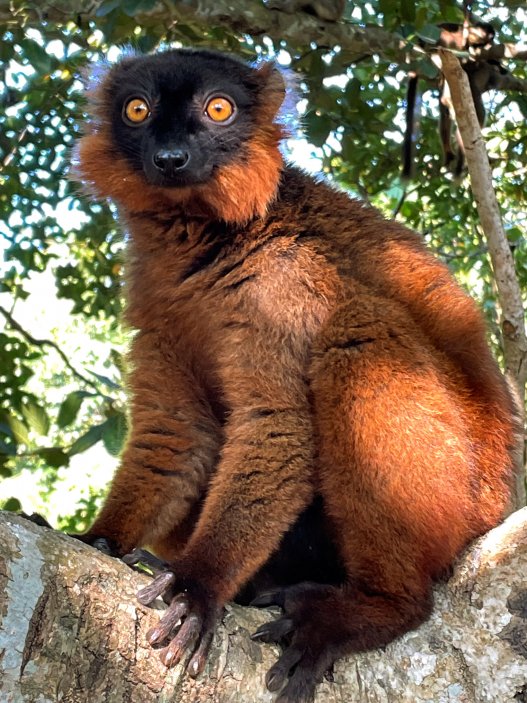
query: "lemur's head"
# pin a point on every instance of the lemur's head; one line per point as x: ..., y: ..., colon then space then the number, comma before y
x: 185, y: 126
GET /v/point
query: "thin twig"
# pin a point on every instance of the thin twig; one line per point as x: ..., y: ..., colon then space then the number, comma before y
x: 48, y: 343
x: 9, y: 157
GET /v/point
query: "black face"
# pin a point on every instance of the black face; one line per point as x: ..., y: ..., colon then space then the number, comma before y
x: 179, y: 115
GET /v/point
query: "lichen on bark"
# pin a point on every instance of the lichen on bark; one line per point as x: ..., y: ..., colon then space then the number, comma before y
x: 72, y: 631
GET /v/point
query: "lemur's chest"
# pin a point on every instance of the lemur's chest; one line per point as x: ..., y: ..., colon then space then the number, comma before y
x: 201, y: 288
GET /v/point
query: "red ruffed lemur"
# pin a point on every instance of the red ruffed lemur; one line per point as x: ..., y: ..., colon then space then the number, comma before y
x: 316, y: 418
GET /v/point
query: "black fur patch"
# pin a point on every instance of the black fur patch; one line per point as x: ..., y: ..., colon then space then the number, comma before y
x: 176, y: 84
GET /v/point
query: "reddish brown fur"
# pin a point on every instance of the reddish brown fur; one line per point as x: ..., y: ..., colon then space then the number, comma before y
x: 318, y: 348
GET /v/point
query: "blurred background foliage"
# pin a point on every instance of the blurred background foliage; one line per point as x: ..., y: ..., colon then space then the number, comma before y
x: 62, y: 413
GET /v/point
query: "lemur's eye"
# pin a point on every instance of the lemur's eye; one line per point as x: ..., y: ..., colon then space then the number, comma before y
x: 136, y: 111
x: 219, y: 109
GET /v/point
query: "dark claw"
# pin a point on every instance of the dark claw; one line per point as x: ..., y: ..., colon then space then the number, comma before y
x: 278, y: 674
x: 177, y: 609
x: 274, y: 631
x: 274, y: 681
x: 274, y: 597
x: 36, y: 519
x: 291, y: 696
x: 142, y: 556
x: 307, y: 653
x: 187, y: 627
x: 301, y: 686
x: 102, y: 544
x: 158, y: 586
x: 329, y: 674
x: 185, y: 638
x: 199, y: 658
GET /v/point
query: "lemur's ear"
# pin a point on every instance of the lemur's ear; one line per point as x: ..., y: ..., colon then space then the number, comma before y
x: 273, y: 85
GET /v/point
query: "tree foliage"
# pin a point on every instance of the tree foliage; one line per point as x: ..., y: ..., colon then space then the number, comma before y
x: 59, y: 396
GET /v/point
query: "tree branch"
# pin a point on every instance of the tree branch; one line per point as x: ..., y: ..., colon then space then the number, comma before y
x: 72, y: 630
x: 509, y: 292
x: 504, y: 51
x: 249, y: 17
x: 47, y: 343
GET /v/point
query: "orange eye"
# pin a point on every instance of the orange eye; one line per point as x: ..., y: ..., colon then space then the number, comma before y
x: 136, y: 110
x: 219, y: 109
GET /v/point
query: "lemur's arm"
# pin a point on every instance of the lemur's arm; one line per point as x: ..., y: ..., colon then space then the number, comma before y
x: 172, y: 448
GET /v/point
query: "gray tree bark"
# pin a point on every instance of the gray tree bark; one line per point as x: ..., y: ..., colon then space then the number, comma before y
x: 509, y: 293
x: 513, y: 315
x: 72, y: 631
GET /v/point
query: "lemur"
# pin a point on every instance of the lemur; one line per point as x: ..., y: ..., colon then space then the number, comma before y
x: 316, y: 418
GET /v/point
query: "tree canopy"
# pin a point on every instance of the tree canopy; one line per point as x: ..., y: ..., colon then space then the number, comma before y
x: 62, y: 390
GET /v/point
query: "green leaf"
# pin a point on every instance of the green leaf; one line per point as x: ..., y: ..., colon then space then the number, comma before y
x: 87, y: 440
x: 318, y: 128
x: 114, y: 433
x: 54, y: 456
x: 133, y: 7
x: 428, y: 69
x: 37, y: 56
x: 118, y: 359
x: 421, y: 17
x: 190, y: 33
x: 147, y: 43
x: 390, y: 11
x: 69, y: 408
x: 515, y: 234
x: 408, y: 10
x: 352, y: 92
x: 429, y: 33
x: 5, y: 471
x: 36, y: 417
x: 19, y: 430
x: 4, y: 427
x: 106, y: 7
x: 7, y: 51
x: 449, y: 12
x: 13, y: 505
x: 107, y: 381
x: 5, y: 448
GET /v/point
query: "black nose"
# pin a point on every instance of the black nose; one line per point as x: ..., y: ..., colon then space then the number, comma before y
x: 170, y: 160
